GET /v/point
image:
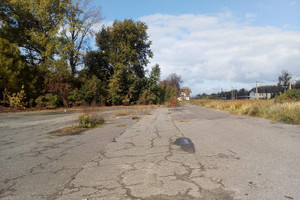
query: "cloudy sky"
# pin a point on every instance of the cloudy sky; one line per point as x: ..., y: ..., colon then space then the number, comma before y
x: 217, y: 44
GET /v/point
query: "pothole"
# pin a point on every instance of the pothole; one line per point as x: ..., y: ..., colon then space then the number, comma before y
x: 186, y: 144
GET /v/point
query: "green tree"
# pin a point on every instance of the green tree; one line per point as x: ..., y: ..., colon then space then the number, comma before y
x: 33, y: 26
x: 93, y: 91
x: 119, y: 85
x: 96, y: 64
x: 154, y: 93
x: 14, y: 72
x: 126, y: 43
x: 11, y: 66
x: 123, y: 54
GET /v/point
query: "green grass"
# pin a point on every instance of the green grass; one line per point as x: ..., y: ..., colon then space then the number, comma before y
x: 288, y: 112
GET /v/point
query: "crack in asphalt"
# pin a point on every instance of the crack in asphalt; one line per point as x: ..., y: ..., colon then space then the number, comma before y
x: 147, y: 173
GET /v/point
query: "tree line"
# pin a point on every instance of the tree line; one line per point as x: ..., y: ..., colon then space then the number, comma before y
x: 281, y: 87
x: 46, y: 58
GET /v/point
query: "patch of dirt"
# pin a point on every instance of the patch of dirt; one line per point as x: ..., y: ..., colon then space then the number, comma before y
x: 68, y: 131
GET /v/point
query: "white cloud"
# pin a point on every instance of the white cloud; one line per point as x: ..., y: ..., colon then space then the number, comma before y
x: 218, y: 52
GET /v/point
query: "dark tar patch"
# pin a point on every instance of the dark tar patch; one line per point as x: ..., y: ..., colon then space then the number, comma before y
x: 186, y: 144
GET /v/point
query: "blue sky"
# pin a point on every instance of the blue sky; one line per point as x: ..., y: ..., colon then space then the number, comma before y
x: 217, y: 44
x: 277, y: 13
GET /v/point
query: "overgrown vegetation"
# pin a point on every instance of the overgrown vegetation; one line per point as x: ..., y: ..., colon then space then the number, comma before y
x: 284, y: 111
x: 91, y: 120
x: 288, y: 96
x: 43, y: 43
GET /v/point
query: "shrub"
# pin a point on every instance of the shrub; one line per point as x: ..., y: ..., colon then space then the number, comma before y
x: 48, y: 101
x: 93, y: 90
x: 75, y: 98
x: 290, y: 95
x: 173, y: 102
x: 16, y: 100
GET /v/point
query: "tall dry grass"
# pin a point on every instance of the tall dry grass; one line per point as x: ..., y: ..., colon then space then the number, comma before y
x: 136, y: 110
x: 288, y: 112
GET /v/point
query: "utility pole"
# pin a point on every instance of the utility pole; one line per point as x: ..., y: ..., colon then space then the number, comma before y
x: 256, y: 93
x: 290, y: 84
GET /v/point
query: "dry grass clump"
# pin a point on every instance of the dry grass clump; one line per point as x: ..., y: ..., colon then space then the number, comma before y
x: 136, y: 110
x: 124, y: 112
x: 288, y: 112
x: 91, y: 118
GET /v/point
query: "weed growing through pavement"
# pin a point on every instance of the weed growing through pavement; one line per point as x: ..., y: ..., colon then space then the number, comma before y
x: 91, y: 120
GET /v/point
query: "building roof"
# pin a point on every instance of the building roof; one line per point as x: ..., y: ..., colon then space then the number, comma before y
x: 265, y: 89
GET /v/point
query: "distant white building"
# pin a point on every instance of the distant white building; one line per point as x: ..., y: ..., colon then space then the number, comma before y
x: 183, y: 96
x: 263, y: 92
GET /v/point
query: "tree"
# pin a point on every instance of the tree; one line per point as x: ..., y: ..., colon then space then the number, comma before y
x: 126, y: 43
x: 78, y: 23
x: 152, y: 93
x: 11, y: 66
x: 14, y: 72
x: 283, y: 80
x: 123, y: 53
x: 174, y: 81
x: 119, y: 85
x: 297, y: 85
x: 242, y: 93
x: 33, y: 26
x: 96, y: 64
x: 186, y: 90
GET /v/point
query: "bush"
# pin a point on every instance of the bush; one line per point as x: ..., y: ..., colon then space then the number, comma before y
x: 16, y: 100
x: 48, y: 101
x: 290, y: 95
x: 93, y: 90
x: 173, y: 102
x: 75, y: 98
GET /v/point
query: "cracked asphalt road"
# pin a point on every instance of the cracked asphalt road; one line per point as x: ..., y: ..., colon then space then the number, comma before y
x: 236, y: 157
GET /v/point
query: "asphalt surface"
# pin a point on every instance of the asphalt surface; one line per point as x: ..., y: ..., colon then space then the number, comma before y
x: 35, y: 164
x: 234, y: 157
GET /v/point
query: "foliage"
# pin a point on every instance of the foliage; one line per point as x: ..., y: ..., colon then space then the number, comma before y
x: 90, y: 120
x: 16, y: 100
x: 93, y: 90
x: 125, y: 43
x: 11, y: 66
x: 75, y: 98
x: 33, y: 26
x: 173, y: 102
x: 174, y: 81
x: 289, y: 95
x: 48, y: 100
x: 43, y: 42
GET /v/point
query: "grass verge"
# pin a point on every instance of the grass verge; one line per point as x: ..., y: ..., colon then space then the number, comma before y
x: 288, y: 112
